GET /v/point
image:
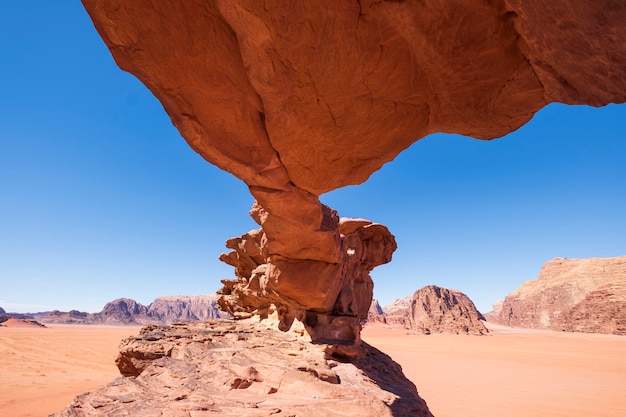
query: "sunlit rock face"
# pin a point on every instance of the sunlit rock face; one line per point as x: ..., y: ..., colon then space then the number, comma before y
x: 299, y: 98
x: 331, y: 299
x: 576, y: 295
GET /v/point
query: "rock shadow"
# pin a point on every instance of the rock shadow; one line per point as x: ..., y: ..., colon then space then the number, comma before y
x: 388, y: 375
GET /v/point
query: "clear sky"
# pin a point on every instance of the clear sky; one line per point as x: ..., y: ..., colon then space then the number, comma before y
x: 101, y: 198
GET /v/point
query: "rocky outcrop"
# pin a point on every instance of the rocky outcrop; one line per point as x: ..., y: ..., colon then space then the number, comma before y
x: 299, y: 98
x: 125, y: 311
x: 68, y: 317
x: 2, y: 310
x: 586, y: 295
x: 399, y: 306
x: 177, y: 308
x: 245, y: 369
x: 332, y: 304
x: 397, y: 313
x: 442, y: 310
x: 375, y: 313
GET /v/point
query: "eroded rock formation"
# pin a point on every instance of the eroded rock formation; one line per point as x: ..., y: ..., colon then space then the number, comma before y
x: 330, y: 299
x: 375, y: 313
x: 442, y: 310
x: 242, y: 369
x: 587, y: 295
x: 298, y: 98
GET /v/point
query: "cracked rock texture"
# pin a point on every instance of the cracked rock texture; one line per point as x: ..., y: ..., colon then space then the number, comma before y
x: 586, y: 295
x: 245, y: 369
x: 299, y: 98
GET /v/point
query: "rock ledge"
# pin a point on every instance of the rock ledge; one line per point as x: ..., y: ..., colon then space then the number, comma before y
x: 243, y: 368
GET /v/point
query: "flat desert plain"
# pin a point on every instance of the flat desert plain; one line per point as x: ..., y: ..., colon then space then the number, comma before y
x: 511, y: 372
x: 43, y: 369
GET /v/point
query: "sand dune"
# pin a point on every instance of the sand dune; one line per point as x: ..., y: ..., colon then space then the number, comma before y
x: 12, y: 322
x: 511, y: 373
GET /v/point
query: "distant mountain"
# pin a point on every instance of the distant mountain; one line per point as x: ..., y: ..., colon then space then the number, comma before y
x: 434, y: 310
x: 125, y: 311
x: 185, y: 308
x: 399, y: 306
x: 2, y: 310
x: 581, y: 295
x: 442, y: 310
x: 375, y: 313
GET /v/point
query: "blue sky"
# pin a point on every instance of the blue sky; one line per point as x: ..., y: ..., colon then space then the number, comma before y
x: 101, y: 198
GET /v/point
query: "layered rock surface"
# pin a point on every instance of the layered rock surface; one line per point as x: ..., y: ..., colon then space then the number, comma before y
x: 245, y: 369
x: 299, y: 98
x: 587, y: 295
x: 442, y: 310
x: 330, y: 299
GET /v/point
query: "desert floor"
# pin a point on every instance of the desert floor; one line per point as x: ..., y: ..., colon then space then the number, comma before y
x: 512, y: 372
x: 509, y: 373
x: 43, y: 369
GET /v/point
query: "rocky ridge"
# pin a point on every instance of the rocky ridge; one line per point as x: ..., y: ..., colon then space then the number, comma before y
x: 300, y: 98
x: 244, y: 369
x: 125, y: 311
x: 587, y: 295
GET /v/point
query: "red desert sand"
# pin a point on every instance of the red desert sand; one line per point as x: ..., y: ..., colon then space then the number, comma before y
x: 511, y: 372
x: 43, y: 369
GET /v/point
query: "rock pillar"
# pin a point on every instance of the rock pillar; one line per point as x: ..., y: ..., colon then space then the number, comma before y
x: 330, y: 298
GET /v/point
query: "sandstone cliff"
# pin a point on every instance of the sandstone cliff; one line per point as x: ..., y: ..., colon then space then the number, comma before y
x: 586, y: 295
x: 299, y: 98
x: 245, y: 369
x: 171, y: 309
x: 125, y: 311
x: 442, y: 310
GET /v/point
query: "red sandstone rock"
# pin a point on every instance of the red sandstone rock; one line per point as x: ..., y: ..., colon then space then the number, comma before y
x: 442, y: 310
x: 375, y: 313
x: 333, y: 305
x: 586, y: 295
x: 243, y: 369
x: 298, y: 98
